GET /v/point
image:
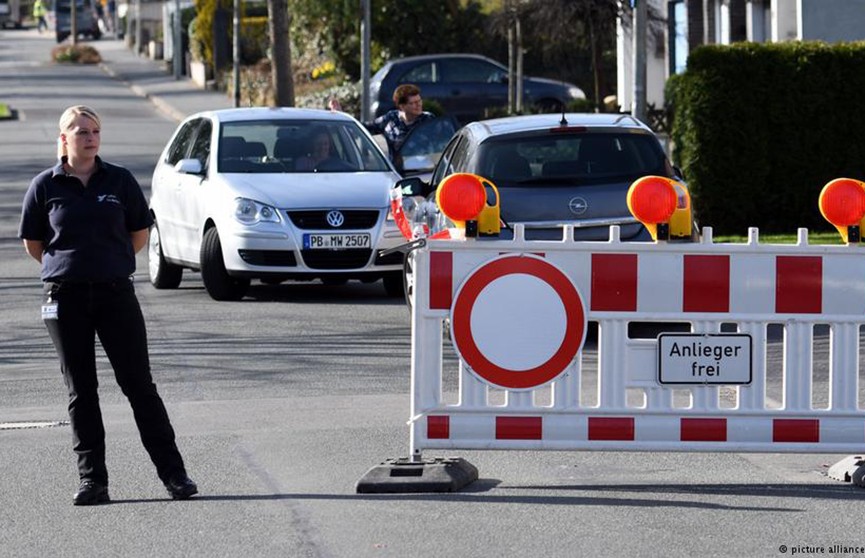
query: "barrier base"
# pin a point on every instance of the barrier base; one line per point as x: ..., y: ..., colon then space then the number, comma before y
x: 438, y: 474
x: 849, y: 469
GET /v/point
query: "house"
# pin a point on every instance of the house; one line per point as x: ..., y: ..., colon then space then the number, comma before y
x: 676, y: 27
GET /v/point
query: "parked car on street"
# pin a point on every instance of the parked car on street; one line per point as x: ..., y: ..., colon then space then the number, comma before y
x: 59, y: 17
x: 272, y: 194
x: 465, y: 85
x: 10, y: 13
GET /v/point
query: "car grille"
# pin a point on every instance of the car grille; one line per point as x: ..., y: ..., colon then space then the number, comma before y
x: 317, y: 219
x: 335, y: 259
x: 283, y: 258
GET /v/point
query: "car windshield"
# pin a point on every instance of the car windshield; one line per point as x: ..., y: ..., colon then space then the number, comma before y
x: 577, y: 158
x: 282, y: 146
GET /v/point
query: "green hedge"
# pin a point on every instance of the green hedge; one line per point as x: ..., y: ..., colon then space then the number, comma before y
x: 759, y: 130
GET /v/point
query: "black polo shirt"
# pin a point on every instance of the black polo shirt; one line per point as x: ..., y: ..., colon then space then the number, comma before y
x: 85, y: 230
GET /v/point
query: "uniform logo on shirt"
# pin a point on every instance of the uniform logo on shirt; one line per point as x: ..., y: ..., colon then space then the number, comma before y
x: 108, y: 198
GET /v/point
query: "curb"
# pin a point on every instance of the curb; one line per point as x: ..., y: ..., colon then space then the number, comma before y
x: 157, y: 101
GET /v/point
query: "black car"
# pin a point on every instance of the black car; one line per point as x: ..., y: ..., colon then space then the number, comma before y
x: 553, y: 170
x: 465, y: 85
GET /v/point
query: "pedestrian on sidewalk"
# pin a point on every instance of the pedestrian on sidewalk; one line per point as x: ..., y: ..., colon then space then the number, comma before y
x: 83, y: 220
x: 39, y: 14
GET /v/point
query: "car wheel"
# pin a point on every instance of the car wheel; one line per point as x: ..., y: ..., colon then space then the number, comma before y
x: 163, y: 274
x: 394, y: 284
x: 858, y: 477
x: 408, y: 280
x: 219, y: 284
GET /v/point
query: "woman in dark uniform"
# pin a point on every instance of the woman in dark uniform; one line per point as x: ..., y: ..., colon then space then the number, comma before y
x: 84, y: 220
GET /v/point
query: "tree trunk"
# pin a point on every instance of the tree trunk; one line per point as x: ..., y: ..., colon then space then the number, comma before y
x: 283, y: 82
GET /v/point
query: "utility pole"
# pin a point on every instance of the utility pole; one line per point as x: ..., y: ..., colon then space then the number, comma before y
x: 639, y: 21
x: 365, y: 60
x: 518, y: 86
x: 138, y: 30
x: 235, y: 54
x: 177, y: 40
x: 511, y: 11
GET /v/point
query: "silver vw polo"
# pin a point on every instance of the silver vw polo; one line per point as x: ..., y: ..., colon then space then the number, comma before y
x: 272, y: 194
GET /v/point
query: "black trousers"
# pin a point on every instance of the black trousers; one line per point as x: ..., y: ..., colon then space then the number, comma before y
x: 111, y: 311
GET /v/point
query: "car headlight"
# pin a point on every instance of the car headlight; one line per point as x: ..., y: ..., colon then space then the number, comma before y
x: 576, y: 93
x: 250, y: 212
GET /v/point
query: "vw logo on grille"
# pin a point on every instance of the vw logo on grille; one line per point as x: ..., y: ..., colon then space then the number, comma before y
x: 578, y: 205
x: 335, y: 218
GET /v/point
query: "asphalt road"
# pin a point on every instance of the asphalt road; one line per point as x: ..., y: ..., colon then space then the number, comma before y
x: 282, y: 401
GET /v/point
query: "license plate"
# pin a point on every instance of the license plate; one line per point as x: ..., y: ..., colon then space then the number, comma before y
x: 336, y: 241
x: 716, y: 359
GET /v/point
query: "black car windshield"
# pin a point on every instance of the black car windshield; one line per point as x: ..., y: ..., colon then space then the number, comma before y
x: 568, y: 159
x: 297, y: 146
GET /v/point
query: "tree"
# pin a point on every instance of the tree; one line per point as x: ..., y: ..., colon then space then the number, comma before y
x: 283, y: 83
x: 568, y: 25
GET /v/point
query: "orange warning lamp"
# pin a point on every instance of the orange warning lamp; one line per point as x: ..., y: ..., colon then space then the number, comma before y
x: 461, y: 197
x: 652, y: 200
x: 842, y: 203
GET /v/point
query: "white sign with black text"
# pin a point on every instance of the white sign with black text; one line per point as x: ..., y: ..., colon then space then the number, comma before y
x: 703, y: 358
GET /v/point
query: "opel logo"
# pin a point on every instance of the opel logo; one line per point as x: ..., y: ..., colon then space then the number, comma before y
x: 335, y: 218
x: 578, y: 205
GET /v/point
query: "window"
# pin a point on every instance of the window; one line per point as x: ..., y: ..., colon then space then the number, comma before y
x: 580, y: 158
x: 180, y: 146
x: 472, y: 71
x: 422, y: 73
x: 281, y: 146
x: 201, y: 146
x: 444, y: 166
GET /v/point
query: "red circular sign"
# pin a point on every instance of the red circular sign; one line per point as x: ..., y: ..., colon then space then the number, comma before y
x: 465, y: 340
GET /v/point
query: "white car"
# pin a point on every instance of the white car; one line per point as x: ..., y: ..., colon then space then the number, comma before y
x: 273, y: 194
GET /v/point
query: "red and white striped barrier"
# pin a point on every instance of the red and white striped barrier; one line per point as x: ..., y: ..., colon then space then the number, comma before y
x: 522, y: 378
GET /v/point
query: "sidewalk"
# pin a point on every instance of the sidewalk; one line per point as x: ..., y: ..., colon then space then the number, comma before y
x: 178, y: 98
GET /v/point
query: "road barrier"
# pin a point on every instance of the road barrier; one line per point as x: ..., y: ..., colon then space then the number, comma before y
x: 518, y: 313
x: 700, y: 346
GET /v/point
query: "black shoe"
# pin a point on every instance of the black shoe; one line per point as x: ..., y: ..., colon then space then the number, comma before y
x: 91, y: 493
x: 181, y: 487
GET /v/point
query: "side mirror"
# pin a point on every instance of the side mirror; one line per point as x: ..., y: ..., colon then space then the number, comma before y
x: 189, y: 166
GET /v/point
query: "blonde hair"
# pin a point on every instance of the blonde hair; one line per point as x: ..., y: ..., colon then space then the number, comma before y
x: 67, y: 120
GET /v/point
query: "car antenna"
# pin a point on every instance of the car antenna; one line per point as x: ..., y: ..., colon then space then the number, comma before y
x: 563, y: 121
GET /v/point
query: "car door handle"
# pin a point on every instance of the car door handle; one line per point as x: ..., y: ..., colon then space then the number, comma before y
x: 455, y: 92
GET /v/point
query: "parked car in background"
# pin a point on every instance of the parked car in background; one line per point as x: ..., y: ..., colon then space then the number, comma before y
x: 553, y: 170
x: 59, y: 18
x: 272, y: 194
x: 465, y: 85
x: 10, y: 13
